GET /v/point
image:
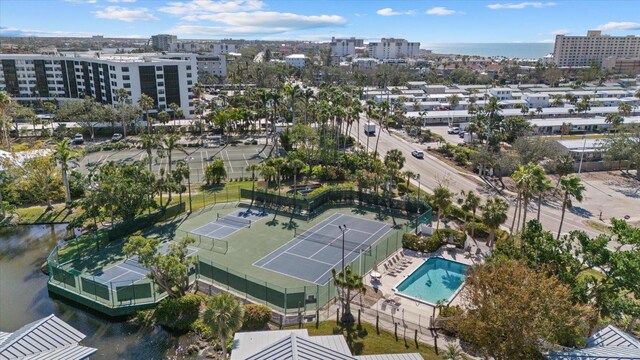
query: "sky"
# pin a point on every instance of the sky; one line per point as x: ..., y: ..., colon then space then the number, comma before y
x: 429, y: 22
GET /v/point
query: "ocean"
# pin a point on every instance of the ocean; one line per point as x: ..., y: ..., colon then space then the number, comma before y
x: 509, y: 50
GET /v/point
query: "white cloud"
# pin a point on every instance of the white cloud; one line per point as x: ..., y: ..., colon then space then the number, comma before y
x: 391, y: 12
x: 15, y: 32
x: 209, y: 6
x: 613, y: 25
x: 560, y: 32
x: 224, y: 30
x: 521, y: 5
x: 122, y: 1
x: 124, y: 14
x: 266, y: 19
x: 441, y: 11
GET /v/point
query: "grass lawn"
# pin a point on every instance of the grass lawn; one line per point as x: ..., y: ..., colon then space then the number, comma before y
x: 38, y: 214
x: 365, y: 341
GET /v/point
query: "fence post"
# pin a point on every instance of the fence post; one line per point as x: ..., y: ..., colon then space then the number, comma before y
x: 395, y: 330
x: 113, y: 295
x: 377, y: 323
x: 133, y: 291
x: 246, y: 287
x: 284, y: 304
x: 153, y: 289
x: 415, y: 338
x: 359, y: 317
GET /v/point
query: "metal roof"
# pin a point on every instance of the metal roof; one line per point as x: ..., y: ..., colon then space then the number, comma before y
x: 609, y: 343
x: 612, y: 336
x: 47, y: 338
x: 296, y: 347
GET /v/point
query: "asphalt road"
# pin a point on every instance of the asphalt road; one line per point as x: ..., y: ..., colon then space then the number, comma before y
x: 434, y: 172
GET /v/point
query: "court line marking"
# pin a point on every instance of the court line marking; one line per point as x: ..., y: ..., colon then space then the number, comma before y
x: 365, y: 242
x: 329, y: 244
x: 289, y: 275
x: 307, y: 258
x: 245, y: 159
x: 302, y: 238
x: 202, y: 161
x: 289, y: 243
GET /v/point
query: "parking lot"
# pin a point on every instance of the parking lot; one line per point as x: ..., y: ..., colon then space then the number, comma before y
x: 235, y: 157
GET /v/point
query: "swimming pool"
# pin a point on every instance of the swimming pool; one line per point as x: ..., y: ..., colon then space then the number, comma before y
x: 436, y: 279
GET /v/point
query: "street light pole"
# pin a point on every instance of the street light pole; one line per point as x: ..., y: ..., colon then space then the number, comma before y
x: 189, y: 182
x: 584, y: 145
x: 418, y: 204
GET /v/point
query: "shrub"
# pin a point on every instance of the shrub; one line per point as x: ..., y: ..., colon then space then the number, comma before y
x: 450, y: 313
x: 202, y: 329
x: 450, y: 236
x: 179, y: 313
x: 256, y: 316
x: 422, y: 244
x: 402, y: 188
x: 478, y: 229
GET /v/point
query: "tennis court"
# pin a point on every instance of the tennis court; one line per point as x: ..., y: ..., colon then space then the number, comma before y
x: 227, y: 225
x: 130, y: 270
x: 312, y: 254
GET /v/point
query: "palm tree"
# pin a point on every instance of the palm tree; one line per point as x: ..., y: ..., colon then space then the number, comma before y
x: 394, y: 157
x: 174, y: 111
x: 541, y: 188
x: 224, y: 316
x: 146, y: 103
x: 163, y: 117
x: 170, y: 143
x: 494, y: 214
x: 453, y: 101
x: 179, y: 174
x: 624, y: 109
x: 442, y: 200
x: 253, y: 168
x: 5, y: 121
x: 295, y: 165
x: 267, y: 172
x: 572, y: 188
x: 348, y: 285
x: 558, y: 100
x: 149, y: 141
x: 453, y: 352
x: 63, y: 155
x: 278, y: 164
x: 471, y: 202
x: 409, y: 175
x: 307, y: 95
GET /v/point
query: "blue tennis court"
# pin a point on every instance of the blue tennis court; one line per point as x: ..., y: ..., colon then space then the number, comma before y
x: 227, y: 225
x: 130, y: 270
x: 312, y: 254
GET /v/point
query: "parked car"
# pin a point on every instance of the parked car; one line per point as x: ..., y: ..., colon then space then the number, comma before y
x: 462, y: 134
x: 419, y: 154
x: 78, y: 139
x: 251, y: 141
x: 453, y: 130
x: 116, y: 137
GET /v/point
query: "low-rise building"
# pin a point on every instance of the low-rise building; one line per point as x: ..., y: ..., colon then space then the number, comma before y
x: 162, y: 42
x: 296, y: 60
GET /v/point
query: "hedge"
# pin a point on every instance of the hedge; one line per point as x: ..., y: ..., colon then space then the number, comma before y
x: 421, y: 243
x: 478, y: 229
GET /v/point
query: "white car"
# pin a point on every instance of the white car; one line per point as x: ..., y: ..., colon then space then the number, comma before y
x: 116, y: 137
x: 419, y: 154
x: 78, y: 139
x: 453, y: 130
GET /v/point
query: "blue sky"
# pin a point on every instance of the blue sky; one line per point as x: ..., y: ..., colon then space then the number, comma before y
x: 444, y: 21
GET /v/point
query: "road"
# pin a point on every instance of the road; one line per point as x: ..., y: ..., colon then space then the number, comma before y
x: 434, y: 172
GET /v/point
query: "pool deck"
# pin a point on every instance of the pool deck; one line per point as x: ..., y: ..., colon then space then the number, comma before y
x: 412, y: 310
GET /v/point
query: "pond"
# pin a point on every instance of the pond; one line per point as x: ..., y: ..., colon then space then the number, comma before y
x: 24, y: 299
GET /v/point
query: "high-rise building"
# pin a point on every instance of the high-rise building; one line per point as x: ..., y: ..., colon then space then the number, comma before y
x: 161, y: 42
x: 391, y: 48
x: 345, y: 47
x: 573, y: 51
x: 165, y: 78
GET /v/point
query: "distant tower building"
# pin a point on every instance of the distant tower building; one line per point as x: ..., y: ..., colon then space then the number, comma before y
x: 572, y: 51
x: 161, y: 42
x: 345, y: 47
x: 391, y: 48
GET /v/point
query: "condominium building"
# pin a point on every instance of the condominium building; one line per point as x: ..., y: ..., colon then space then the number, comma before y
x: 627, y: 66
x: 165, y: 78
x: 212, y: 64
x: 573, y: 51
x: 345, y: 47
x: 162, y: 42
x: 216, y: 48
x: 391, y: 48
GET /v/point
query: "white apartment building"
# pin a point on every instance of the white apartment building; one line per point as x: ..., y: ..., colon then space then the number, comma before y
x: 345, y: 47
x: 204, y: 47
x: 165, y: 78
x: 573, y: 51
x: 536, y: 99
x: 391, y: 48
x: 296, y: 60
x: 162, y: 42
x: 212, y: 64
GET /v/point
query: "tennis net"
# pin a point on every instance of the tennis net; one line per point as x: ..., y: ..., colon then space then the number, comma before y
x: 234, y: 221
x: 134, y: 262
x: 306, y: 235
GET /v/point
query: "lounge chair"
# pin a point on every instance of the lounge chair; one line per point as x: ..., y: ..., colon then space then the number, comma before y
x: 396, y: 301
